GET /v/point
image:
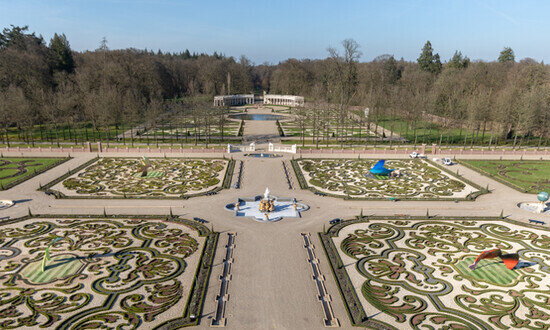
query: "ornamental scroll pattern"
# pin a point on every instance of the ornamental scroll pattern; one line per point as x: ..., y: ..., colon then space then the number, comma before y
x: 415, y: 273
x: 171, y: 177
x: 103, y: 273
x: 349, y: 177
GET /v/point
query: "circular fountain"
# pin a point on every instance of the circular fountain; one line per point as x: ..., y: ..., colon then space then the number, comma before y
x: 5, y: 203
x: 267, y: 208
x: 541, y: 207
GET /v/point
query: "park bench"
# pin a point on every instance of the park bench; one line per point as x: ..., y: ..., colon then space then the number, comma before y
x: 538, y: 222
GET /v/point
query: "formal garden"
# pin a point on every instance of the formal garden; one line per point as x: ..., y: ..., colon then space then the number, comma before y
x: 82, y: 272
x: 124, y: 178
x: 414, y: 273
x: 16, y: 170
x: 350, y: 179
x: 325, y: 124
x: 185, y: 127
x: 531, y: 176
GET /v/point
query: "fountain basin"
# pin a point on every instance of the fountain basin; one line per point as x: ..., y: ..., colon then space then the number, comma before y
x: 535, y: 208
x: 283, y: 208
x: 5, y: 203
x: 261, y: 155
x: 246, y: 116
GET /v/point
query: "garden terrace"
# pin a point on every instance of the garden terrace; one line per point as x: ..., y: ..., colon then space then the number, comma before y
x: 13, y: 171
x: 531, y: 176
x: 186, y: 127
x: 413, y: 273
x: 166, y: 178
x: 104, y: 272
x: 324, y: 124
x: 350, y: 178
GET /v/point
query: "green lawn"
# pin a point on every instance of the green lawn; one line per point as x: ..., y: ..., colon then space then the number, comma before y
x: 532, y: 176
x: 428, y: 132
x: 17, y: 170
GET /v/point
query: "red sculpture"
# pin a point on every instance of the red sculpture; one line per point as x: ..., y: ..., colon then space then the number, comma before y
x: 510, y: 259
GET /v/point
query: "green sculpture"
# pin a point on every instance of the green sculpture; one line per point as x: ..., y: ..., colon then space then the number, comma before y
x: 47, y: 253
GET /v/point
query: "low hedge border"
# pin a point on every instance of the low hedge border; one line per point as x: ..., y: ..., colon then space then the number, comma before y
x: 228, y: 174
x: 464, y: 162
x: 349, y: 296
x: 50, y: 184
x: 226, y: 183
x: 35, y: 173
x: 197, y: 292
x: 241, y: 128
x: 481, y: 190
x: 470, y: 197
x: 281, y: 131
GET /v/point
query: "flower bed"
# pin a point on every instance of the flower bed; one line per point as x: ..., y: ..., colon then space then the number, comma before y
x: 120, y: 178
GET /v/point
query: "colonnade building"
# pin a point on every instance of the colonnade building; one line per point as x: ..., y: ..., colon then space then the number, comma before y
x: 231, y: 100
x: 289, y: 100
x: 242, y: 99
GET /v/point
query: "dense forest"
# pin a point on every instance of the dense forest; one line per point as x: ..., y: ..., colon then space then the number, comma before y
x: 47, y: 84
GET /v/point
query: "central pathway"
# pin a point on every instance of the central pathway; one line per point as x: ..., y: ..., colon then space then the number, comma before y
x: 272, y: 286
x: 261, y: 131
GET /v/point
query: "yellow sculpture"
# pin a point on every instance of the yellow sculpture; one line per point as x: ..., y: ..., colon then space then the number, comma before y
x: 267, y: 205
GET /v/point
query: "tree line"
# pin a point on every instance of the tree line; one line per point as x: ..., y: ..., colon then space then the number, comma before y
x: 484, y: 102
x: 48, y: 85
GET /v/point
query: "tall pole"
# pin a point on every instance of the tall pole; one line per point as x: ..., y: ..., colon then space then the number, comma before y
x: 228, y: 83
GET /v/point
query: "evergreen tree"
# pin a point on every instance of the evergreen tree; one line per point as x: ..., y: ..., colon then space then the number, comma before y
x: 458, y: 61
x: 428, y: 61
x: 18, y: 38
x: 62, y: 51
x: 507, y: 56
x: 393, y: 70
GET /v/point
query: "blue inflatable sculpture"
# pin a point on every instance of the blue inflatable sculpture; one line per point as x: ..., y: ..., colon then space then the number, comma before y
x: 379, y: 169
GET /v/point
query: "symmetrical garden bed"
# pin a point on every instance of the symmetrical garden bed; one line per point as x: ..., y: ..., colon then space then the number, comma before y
x: 532, y: 176
x: 116, y: 272
x: 350, y: 178
x: 325, y: 124
x: 186, y: 127
x: 405, y: 273
x: 166, y: 178
x: 14, y: 170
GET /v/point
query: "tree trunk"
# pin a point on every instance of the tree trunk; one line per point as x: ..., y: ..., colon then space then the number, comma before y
x: 56, y: 135
x: 32, y: 138
x: 484, y: 128
x: 7, y: 137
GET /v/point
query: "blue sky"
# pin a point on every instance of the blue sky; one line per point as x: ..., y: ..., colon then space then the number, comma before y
x: 271, y: 31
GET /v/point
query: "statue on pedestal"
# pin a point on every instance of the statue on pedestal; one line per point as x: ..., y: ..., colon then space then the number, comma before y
x: 267, y: 204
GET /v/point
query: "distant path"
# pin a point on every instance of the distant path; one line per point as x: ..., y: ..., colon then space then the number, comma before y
x: 261, y: 131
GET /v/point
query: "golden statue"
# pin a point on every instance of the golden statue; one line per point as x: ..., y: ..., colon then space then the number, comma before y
x: 267, y: 205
